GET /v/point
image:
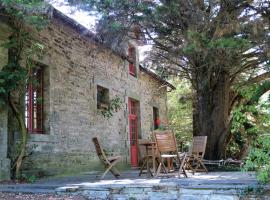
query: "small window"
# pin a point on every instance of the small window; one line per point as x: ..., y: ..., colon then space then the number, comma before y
x: 102, y: 98
x: 132, y: 61
x: 34, y: 102
x: 156, y: 119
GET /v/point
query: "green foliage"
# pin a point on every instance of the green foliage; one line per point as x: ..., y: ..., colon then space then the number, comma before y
x: 114, y: 106
x: 230, y: 43
x: 28, y: 178
x: 251, y: 125
x: 250, y: 120
x: 14, y: 76
x: 26, y: 11
x: 259, y: 157
x: 116, y: 26
x: 198, y: 42
x: 180, y: 112
x: 242, y: 116
x: 22, y: 16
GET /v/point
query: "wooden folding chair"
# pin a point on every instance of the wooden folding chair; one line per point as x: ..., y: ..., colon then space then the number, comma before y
x: 195, y: 157
x: 108, y: 162
x: 166, y: 144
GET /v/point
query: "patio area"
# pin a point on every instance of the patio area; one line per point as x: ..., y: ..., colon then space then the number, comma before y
x: 214, y: 185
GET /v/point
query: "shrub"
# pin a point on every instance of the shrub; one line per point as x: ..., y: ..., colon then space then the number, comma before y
x: 258, y: 158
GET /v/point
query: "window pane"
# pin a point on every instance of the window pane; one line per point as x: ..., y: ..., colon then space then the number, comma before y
x: 103, y: 99
x: 34, y: 103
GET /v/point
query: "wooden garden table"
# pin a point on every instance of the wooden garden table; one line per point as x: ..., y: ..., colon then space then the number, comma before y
x: 150, y: 152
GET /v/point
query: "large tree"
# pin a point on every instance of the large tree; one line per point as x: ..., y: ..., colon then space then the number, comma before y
x: 220, y: 45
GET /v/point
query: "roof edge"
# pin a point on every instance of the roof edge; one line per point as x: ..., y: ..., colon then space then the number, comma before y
x: 157, y: 77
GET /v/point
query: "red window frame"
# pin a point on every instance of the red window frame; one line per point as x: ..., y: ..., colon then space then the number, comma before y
x: 132, y: 60
x: 34, y: 102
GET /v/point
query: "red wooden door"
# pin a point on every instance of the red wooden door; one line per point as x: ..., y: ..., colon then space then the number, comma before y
x: 133, y: 131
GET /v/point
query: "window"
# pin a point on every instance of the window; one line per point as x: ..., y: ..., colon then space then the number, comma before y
x: 102, y: 98
x: 156, y: 118
x: 132, y: 60
x: 34, y: 102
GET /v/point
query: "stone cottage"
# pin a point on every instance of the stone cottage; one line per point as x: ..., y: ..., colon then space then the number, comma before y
x: 78, y: 78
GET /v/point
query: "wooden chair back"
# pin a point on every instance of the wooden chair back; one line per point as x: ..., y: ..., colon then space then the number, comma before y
x: 99, y: 150
x: 165, y: 141
x: 167, y: 146
x: 199, y: 146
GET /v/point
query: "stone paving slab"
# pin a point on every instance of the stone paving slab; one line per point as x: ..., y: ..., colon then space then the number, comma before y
x: 214, y: 185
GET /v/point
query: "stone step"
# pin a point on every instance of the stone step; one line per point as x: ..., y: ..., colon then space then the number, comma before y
x: 229, y: 192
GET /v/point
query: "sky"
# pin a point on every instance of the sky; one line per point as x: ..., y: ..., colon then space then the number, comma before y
x: 79, y: 15
x: 89, y: 21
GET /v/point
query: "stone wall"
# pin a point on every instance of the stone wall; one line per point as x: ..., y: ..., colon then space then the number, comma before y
x: 192, y: 188
x: 75, y: 65
x: 4, y: 161
x: 172, y: 193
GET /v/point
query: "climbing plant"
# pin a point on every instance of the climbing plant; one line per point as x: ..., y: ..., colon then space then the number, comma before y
x: 114, y: 105
x: 23, y: 17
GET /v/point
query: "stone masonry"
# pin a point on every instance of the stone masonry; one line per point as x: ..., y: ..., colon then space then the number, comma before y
x: 4, y: 161
x: 74, y: 65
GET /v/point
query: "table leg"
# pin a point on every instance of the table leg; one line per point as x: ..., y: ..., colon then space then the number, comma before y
x: 154, y: 159
x: 170, y: 164
x: 149, y: 173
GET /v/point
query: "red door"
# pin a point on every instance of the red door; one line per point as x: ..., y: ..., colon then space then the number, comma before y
x: 133, y: 131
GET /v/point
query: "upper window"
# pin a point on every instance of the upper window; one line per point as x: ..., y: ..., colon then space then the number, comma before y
x: 132, y: 60
x: 34, y: 102
x: 102, y: 98
x: 156, y: 118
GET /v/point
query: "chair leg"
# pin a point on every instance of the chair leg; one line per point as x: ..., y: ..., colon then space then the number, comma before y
x: 189, y: 166
x: 158, y: 170
x: 161, y: 165
x: 203, y: 166
x: 111, y: 167
x: 142, y: 168
x: 115, y: 171
x: 182, y: 166
x: 106, y: 171
x: 164, y: 168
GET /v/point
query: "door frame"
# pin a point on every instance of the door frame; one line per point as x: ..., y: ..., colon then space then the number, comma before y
x: 134, y: 151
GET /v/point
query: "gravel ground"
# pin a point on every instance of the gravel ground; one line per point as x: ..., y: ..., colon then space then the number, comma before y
x: 19, y: 196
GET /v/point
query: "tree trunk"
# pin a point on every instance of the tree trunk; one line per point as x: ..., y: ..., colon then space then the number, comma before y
x: 23, y: 141
x: 211, y: 112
